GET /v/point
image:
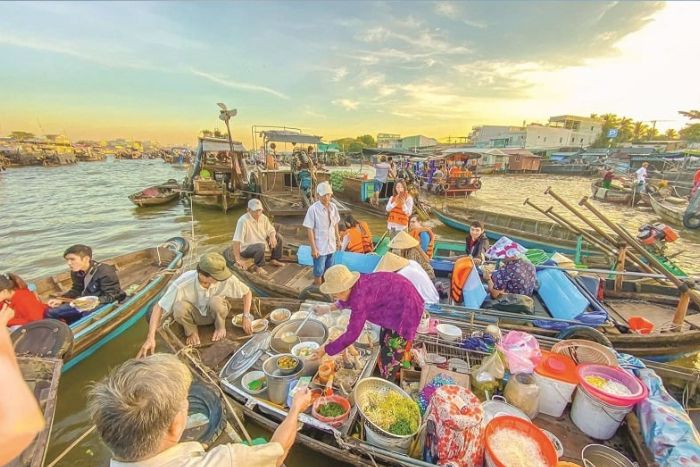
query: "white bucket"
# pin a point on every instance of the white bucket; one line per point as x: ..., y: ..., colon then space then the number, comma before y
x: 393, y: 444
x: 596, y: 418
x: 554, y: 394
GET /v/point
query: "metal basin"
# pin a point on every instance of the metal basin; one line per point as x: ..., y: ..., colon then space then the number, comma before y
x: 312, y: 331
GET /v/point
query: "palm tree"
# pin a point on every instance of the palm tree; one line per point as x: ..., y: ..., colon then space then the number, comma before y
x: 651, y: 133
x: 639, y: 130
x: 610, y: 120
x: 691, y: 114
x: 671, y: 133
x: 626, y: 127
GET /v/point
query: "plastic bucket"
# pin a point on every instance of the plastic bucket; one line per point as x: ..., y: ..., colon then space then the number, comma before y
x: 392, y: 444
x: 526, y: 428
x: 638, y: 392
x: 597, y: 455
x: 596, y: 418
x: 555, y: 395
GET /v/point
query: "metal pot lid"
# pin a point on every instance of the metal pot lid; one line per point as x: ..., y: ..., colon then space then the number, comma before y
x: 497, y: 407
x: 245, y: 357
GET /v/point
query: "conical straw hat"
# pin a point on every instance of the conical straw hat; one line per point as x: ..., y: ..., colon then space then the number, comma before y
x: 403, y: 241
x: 338, y: 279
x: 391, y: 262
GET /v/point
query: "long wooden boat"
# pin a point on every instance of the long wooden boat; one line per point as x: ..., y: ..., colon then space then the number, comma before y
x: 612, y: 195
x: 346, y: 444
x: 144, y: 274
x: 356, y: 192
x: 530, y: 233
x: 157, y: 194
x: 42, y: 376
x: 669, y: 212
x: 585, y: 170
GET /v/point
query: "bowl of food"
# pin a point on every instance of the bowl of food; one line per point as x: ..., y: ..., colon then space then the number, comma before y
x: 304, y: 349
x: 368, y: 338
x: 237, y: 320
x: 259, y: 325
x: 449, y: 332
x: 287, y: 364
x: 280, y: 315
x: 343, y: 321
x: 335, y: 332
x: 87, y: 303
x: 254, y: 382
x: 329, y: 319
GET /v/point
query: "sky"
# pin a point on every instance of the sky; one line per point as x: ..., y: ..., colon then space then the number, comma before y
x: 155, y: 70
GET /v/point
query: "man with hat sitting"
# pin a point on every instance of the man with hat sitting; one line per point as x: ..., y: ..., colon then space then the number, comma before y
x: 198, y: 298
x: 254, y: 233
x: 408, y: 247
x: 412, y: 271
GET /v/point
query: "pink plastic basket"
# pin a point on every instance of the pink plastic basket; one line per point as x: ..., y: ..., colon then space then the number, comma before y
x: 639, y: 392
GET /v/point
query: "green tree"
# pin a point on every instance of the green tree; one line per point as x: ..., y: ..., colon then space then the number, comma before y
x: 671, y: 134
x: 639, y: 130
x: 691, y: 114
x: 651, y: 133
x: 21, y: 135
x: 610, y: 121
x: 691, y: 133
x: 626, y: 128
x: 367, y: 140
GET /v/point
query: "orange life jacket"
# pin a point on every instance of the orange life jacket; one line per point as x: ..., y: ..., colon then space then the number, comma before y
x: 415, y: 233
x: 397, y: 216
x: 360, y: 238
x: 463, y: 266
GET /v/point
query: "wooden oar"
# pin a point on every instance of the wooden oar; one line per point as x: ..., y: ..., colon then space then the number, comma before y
x: 380, y: 241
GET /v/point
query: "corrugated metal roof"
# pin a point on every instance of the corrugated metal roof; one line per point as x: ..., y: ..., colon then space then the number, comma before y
x: 282, y: 136
x: 218, y: 145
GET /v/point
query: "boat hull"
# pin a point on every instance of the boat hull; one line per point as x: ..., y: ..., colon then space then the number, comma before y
x: 608, y: 195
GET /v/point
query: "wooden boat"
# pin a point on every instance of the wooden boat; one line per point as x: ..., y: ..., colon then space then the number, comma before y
x: 458, y: 180
x: 282, y: 197
x: 218, y: 177
x: 668, y: 211
x: 612, y: 195
x: 586, y: 170
x: 346, y: 444
x: 530, y: 233
x: 42, y: 376
x: 143, y: 274
x: 157, y: 194
x: 357, y: 192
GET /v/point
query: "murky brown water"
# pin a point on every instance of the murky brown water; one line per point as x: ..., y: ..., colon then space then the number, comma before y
x: 43, y: 210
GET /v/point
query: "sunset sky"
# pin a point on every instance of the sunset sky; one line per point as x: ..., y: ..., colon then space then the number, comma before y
x: 156, y: 70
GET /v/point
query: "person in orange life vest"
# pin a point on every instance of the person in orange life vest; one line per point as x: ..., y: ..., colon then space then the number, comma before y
x: 357, y: 237
x: 26, y: 304
x: 424, y: 235
x: 399, y: 207
x: 476, y: 242
x: 408, y: 247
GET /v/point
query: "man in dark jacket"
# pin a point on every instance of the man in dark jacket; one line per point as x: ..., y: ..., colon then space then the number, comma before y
x: 476, y: 242
x: 90, y: 278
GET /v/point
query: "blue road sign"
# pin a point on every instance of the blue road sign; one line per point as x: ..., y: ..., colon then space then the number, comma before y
x: 612, y: 133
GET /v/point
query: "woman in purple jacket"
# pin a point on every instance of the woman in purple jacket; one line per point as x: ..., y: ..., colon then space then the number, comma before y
x: 383, y: 298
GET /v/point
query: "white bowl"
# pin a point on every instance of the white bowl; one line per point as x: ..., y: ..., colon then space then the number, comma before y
x: 250, y: 377
x: 303, y: 345
x: 335, y: 332
x: 259, y: 325
x: 280, y: 315
x: 449, y: 332
x: 237, y: 320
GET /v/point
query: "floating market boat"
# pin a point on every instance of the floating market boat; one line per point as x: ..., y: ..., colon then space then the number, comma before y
x: 559, y: 168
x: 458, y: 180
x: 691, y: 218
x: 613, y: 195
x: 670, y: 209
x: 530, y: 233
x: 42, y: 376
x: 218, y: 178
x: 157, y: 194
x: 143, y: 274
x: 228, y: 361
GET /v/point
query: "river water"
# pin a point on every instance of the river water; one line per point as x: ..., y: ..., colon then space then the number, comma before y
x: 44, y: 210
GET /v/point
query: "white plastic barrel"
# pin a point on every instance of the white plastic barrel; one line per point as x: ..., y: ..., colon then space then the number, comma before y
x: 555, y: 395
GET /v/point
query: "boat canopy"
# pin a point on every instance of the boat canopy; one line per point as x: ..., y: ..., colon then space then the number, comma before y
x: 456, y: 156
x: 286, y: 136
x: 386, y: 151
x: 219, y: 145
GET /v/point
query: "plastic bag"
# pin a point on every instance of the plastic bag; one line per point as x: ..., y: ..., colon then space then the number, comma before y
x: 522, y: 352
x: 486, y: 378
x: 504, y: 244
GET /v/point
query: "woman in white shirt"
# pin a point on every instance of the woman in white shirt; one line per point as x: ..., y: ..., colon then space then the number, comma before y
x: 399, y: 207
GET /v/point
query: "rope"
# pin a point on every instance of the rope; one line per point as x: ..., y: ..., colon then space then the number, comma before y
x: 72, y: 445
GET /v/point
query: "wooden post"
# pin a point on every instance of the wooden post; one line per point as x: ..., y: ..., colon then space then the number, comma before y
x: 681, y: 310
x: 621, y: 257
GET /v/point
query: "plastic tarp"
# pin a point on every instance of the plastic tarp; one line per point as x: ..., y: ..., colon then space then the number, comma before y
x: 473, y: 291
x: 560, y: 295
x: 357, y: 262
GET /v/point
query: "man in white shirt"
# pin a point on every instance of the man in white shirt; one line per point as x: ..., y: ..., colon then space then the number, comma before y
x: 140, y: 412
x: 641, y: 177
x: 198, y: 298
x: 254, y: 232
x: 412, y: 271
x: 321, y: 224
x: 381, y: 173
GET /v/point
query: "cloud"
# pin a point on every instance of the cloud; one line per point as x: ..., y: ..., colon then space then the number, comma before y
x: 447, y: 9
x: 347, y: 104
x: 238, y: 85
x: 339, y: 73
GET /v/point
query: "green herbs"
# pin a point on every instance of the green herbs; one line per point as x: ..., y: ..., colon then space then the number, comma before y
x: 331, y: 410
x: 401, y: 428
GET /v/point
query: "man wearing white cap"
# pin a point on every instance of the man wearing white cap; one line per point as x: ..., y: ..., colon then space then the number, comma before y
x: 254, y: 233
x: 321, y: 223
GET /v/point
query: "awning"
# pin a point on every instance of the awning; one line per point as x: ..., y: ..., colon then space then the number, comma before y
x: 386, y: 151
x: 282, y: 136
x: 218, y: 145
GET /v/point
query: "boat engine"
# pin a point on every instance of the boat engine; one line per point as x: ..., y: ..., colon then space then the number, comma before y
x: 655, y: 237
